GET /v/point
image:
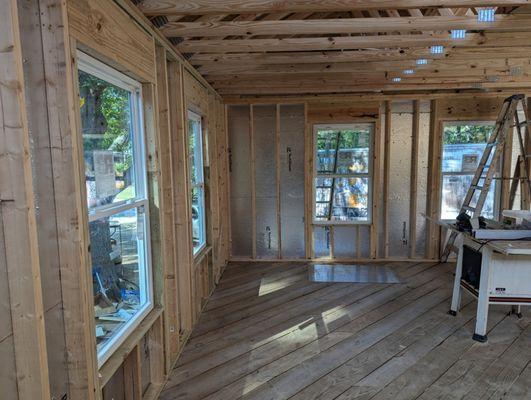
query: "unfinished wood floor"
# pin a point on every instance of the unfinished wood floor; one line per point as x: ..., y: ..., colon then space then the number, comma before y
x: 269, y: 333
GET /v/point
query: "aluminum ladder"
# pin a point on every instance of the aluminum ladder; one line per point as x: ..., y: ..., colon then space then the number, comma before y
x: 492, y: 155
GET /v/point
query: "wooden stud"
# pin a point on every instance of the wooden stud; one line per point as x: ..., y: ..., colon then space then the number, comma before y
x: 376, y: 154
x: 253, y: 182
x: 434, y: 181
x: 18, y: 220
x: 386, y: 177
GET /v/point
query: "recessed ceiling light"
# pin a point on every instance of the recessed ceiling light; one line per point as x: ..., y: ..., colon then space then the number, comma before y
x: 437, y: 49
x: 422, y: 61
x: 458, y: 33
x: 486, y: 14
x: 397, y: 79
x: 408, y: 71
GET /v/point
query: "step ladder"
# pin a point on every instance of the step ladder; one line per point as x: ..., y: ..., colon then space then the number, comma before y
x: 488, y: 164
x: 332, y: 186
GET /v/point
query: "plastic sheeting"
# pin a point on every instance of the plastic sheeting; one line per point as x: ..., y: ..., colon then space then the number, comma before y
x: 240, y: 180
x: 292, y: 128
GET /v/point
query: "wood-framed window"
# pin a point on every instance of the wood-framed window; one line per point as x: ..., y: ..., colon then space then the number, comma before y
x: 462, y: 148
x: 343, y: 173
x: 116, y: 184
x: 197, y: 181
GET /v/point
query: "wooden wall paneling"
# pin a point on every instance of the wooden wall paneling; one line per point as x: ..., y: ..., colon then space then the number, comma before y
x: 18, y: 221
x: 169, y: 265
x: 115, y: 362
x: 338, y: 112
x: 434, y: 178
x: 35, y: 89
x: 414, y: 179
x: 376, y: 154
x: 101, y: 26
x: 115, y: 387
x: 132, y: 378
x: 155, y: 370
x: 180, y: 196
x: 66, y: 147
x: 155, y: 191
x: 224, y: 184
x: 213, y: 182
x: 466, y: 108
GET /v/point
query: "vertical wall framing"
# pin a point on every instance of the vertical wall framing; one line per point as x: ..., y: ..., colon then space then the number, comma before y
x: 406, y: 188
x: 49, y: 348
x: 25, y: 372
x: 266, y: 159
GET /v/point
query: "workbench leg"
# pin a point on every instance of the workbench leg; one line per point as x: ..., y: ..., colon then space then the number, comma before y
x: 456, y: 296
x: 483, y: 299
x: 517, y: 310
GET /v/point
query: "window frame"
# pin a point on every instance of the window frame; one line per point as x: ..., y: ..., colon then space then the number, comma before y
x: 442, y: 174
x: 200, y: 183
x: 140, y: 202
x: 369, y: 175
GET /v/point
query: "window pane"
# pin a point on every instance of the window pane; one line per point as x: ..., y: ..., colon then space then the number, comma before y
x: 195, y: 151
x: 198, y: 217
x: 454, y: 188
x: 350, y: 199
x: 351, y: 146
x: 353, y: 157
x: 107, y: 141
x: 326, y: 150
x: 463, y: 148
x: 118, y: 271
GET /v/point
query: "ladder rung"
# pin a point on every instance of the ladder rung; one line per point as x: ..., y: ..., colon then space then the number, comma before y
x: 476, y: 187
x: 491, y: 144
x: 468, y: 208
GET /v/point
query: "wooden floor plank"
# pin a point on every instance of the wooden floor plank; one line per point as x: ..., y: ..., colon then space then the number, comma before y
x: 284, y: 317
x: 270, y: 334
x: 317, y: 328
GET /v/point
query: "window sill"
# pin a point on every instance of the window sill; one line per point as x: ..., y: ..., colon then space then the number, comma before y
x: 198, y: 257
x: 339, y: 223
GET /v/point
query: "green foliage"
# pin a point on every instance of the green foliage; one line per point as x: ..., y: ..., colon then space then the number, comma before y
x: 465, y: 134
x: 105, y: 110
x: 348, y: 139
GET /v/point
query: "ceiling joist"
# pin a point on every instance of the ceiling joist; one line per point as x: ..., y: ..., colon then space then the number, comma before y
x: 508, y: 23
x: 516, y: 39
x: 281, y: 47
x: 202, y: 7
